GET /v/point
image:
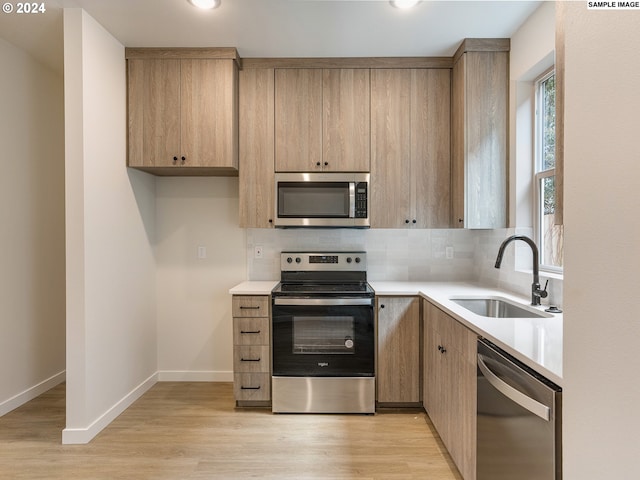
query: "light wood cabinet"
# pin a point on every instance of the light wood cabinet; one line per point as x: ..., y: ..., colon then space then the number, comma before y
x: 449, y: 385
x: 183, y: 111
x: 321, y: 120
x: 398, y: 371
x: 251, y: 350
x: 410, y: 148
x: 480, y: 94
x: 256, y: 147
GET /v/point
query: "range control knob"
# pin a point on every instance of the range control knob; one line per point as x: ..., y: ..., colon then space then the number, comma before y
x: 298, y: 260
x: 289, y: 259
x: 349, y: 260
x: 357, y: 259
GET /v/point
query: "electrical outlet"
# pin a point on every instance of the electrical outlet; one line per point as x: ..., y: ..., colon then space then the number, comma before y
x: 448, y: 252
x: 257, y: 251
x: 202, y: 252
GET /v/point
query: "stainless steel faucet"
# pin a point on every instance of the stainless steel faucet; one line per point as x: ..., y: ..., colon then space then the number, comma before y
x: 536, y: 292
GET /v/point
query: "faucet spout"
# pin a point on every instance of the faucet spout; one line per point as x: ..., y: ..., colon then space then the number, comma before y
x: 536, y: 292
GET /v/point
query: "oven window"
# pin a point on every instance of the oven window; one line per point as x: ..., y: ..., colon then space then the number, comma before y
x: 330, y: 334
x: 312, y: 199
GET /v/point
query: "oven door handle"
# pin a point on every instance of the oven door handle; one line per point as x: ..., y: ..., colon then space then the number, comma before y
x: 323, y: 301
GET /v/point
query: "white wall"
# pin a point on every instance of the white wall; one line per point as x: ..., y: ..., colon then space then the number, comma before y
x: 195, y: 333
x: 602, y: 228
x: 110, y: 224
x: 32, y: 307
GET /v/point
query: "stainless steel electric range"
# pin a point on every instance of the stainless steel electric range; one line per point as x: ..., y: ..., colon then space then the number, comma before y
x: 323, y: 334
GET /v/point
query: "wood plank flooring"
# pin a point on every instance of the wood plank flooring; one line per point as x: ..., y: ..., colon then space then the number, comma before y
x: 193, y: 431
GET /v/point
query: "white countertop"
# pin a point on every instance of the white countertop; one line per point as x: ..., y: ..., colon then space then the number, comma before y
x: 254, y: 287
x: 537, y: 342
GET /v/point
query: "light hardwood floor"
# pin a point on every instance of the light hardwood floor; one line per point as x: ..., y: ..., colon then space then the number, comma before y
x: 193, y: 431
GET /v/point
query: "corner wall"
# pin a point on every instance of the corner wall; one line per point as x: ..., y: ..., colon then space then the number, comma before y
x: 32, y: 257
x: 602, y: 228
x: 110, y: 224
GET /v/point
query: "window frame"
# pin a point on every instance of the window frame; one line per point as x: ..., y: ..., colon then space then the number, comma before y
x: 539, y: 174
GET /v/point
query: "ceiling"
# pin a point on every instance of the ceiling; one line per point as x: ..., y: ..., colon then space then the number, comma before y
x: 277, y: 28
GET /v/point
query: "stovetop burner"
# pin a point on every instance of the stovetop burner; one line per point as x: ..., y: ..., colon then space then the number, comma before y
x: 311, y: 289
x: 323, y: 274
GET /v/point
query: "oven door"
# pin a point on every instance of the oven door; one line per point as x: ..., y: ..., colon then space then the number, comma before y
x: 323, y: 337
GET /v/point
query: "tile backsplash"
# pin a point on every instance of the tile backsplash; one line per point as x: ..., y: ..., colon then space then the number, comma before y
x: 406, y: 255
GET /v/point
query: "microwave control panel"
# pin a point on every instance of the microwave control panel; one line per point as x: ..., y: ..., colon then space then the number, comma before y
x: 361, y: 200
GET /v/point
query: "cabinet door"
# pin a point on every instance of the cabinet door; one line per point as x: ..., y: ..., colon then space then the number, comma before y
x: 298, y: 120
x: 154, y: 112
x: 398, y: 373
x: 480, y: 115
x: 346, y: 120
x: 256, y: 92
x: 450, y: 385
x: 209, y: 133
x: 435, y: 377
x: 430, y: 147
x: 390, y: 148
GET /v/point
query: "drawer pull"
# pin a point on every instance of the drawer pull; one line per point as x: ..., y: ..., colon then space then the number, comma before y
x: 250, y: 388
x: 250, y: 331
x: 250, y: 359
x: 242, y: 307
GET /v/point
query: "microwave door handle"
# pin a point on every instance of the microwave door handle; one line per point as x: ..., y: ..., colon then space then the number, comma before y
x: 352, y: 199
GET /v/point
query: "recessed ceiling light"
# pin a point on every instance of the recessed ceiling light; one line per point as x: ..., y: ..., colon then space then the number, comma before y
x: 404, y: 3
x: 205, y: 3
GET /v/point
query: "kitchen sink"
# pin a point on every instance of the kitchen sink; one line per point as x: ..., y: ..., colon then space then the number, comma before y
x: 496, y: 307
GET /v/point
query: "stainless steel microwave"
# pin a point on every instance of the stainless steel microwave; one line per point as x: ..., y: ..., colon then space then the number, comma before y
x: 322, y: 200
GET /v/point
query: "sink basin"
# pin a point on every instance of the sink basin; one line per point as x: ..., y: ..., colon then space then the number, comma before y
x: 496, y: 307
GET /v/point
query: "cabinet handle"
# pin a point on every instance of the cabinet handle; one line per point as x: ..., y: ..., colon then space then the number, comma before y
x: 250, y: 359
x: 442, y: 349
x: 183, y: 159
x: 242, y: 307
x: 326, y: 163
x: 406, y: 221
x: 250, y: 331
x: 175, y: 159
x: 271, y: 220
x: 317, y: 164
x: 250, y: 388
x: 460, y: 220
x: 414, y: 221
x: 382, y: 306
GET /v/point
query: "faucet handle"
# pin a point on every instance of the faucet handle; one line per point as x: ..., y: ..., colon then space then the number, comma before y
x: 543, y: 293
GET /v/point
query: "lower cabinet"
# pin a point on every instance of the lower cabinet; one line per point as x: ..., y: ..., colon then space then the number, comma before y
x: 251, y: 350
x: 398, y: 371
x: 449, y: 385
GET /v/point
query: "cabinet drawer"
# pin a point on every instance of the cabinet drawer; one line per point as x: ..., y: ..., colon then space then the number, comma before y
x: 249, y: 359
x: 250, y: 306
x: 252, y: 386
x: 251, y: 331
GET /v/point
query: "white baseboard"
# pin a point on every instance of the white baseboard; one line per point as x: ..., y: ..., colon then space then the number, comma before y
x: 85, y: 435
x: 31, y: 393
x: 194, y: 376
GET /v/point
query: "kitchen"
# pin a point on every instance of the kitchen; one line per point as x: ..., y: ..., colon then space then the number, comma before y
x: 168, y: 286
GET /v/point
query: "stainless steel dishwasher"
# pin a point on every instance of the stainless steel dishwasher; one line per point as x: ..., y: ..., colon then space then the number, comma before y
x: 518, y: 420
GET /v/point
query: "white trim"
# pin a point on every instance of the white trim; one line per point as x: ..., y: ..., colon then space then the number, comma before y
x: 72, y: 436
x: 31, y: 393
x: 194, y: 376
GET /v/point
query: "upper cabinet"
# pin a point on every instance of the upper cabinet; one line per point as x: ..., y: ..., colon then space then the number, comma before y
x: 480, y: 93
x: 322, y: 120
x: 183, y: 111
x: 256, y: 147
x: 410, y: 148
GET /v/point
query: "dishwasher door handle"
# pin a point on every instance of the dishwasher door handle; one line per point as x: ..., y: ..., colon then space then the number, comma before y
x: 518, y: 397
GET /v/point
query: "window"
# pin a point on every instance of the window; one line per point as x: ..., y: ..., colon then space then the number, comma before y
x: 550, y: 236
